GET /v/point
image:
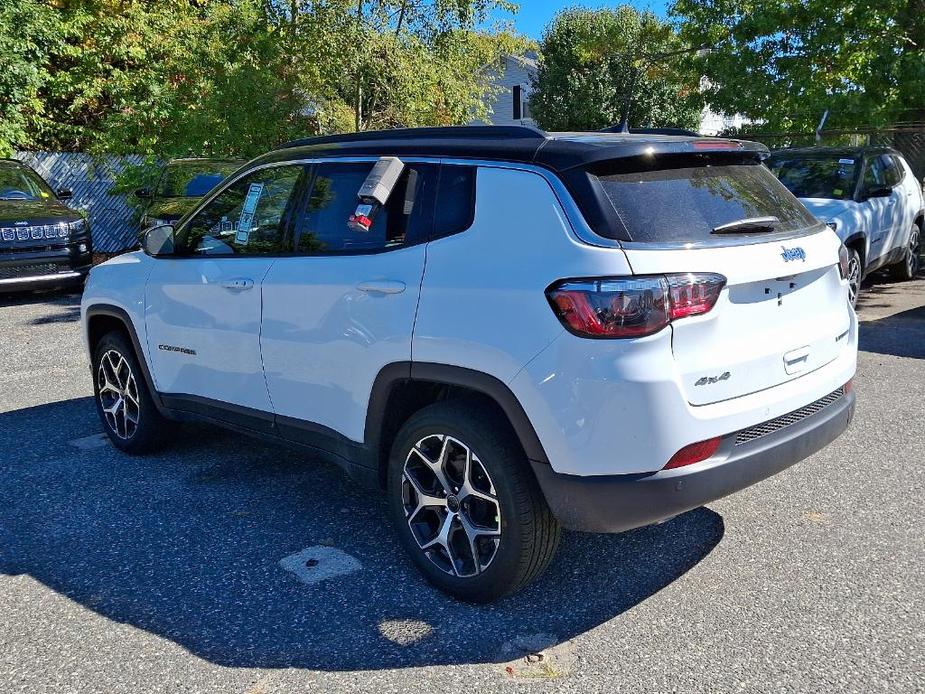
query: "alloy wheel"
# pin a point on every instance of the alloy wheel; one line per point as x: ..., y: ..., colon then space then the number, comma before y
x: 451, y: 505
x: 854, y: 278
x: 913, y: 257
x: 118, y: 394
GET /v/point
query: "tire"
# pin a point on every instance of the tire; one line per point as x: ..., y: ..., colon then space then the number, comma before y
x: 855, y: 276
x: 123, y: 401
x: 908, y: 267
x: 452, y: 528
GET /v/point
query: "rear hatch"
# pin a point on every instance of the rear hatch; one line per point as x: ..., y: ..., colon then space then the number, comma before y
x: 784, y: 311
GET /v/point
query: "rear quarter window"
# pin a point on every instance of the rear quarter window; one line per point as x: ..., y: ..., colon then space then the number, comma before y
x: 685, y: 204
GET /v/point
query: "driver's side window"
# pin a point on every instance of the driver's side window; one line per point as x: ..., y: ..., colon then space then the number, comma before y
x: 250, y: 217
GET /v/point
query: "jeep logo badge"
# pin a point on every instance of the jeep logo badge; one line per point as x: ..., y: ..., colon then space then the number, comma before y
x: 795, y: 253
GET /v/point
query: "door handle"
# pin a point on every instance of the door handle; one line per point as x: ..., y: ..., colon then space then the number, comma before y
x: 238, y: 284
x: 382, y: 287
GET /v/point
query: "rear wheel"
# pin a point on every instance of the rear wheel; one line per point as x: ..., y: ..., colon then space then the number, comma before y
x: 465, y: 503
x: 123, y: 401
x: 908, y: 267
x: 854, y: 276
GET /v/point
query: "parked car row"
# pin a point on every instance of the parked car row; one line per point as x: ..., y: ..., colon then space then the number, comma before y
x: 46, y: 244
x: 869, y: 196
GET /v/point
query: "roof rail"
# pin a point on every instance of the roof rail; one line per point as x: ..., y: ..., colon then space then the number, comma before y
x: 474, y: 132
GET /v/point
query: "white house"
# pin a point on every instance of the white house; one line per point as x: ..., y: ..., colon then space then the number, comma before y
x: 511, y: 104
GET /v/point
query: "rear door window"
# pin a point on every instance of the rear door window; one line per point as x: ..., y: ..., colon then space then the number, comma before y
x: 405, y: 219
x: 685, y: 204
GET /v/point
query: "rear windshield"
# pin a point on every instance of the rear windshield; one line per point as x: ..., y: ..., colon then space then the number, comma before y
x: 686, y: 204
x: 831, y: 178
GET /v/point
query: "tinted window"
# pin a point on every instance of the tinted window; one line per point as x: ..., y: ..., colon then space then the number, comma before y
x: 877, y: 173
x: 193, y: 179
x: 250, y: 217
x: 893, y: 171
x: 405, y: 219
x: 817, y: 177
x: 455, y: 200
x: 685, y: 204
x: 20, y: 183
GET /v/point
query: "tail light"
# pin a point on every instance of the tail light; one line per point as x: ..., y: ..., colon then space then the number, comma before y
x: 843, y: 261
x: 619, y: 307
x: 694, y: 453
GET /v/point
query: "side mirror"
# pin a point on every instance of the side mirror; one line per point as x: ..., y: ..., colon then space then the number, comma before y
x: 879, y: 192
x: 143, y: 193
x: 64, y: 194
x: 158, y: 240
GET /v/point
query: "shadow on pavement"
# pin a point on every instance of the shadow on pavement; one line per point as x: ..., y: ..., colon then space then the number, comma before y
x: 185, y: 545
x: 900, y: 334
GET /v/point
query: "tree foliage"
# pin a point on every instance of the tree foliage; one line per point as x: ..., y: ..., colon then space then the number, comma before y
x: 784, y: 63
x: 593, y: 59
x: 236, y: 77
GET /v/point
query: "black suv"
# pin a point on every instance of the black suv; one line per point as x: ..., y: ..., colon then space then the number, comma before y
x: 43, y: 243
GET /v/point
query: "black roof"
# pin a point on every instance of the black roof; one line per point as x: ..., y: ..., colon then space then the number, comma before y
x: 835, y: 151
x: 556, y: 151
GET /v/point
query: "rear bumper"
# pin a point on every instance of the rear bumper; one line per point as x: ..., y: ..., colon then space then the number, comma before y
x: 20, y: 271
x: 614, y: 503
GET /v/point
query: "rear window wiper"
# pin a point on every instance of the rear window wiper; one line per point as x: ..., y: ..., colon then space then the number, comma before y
x: 750, y: 225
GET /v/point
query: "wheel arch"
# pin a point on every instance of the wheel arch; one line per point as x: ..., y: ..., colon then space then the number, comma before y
x: 858, y: 241
x: 104, y: 318
x: 401, y: 389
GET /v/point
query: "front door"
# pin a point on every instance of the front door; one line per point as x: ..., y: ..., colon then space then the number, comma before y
x: 203, y: 306
x: 344, y: 306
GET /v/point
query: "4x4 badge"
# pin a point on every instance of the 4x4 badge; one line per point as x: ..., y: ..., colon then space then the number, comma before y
x: 795, y: 253
x: 709, y: 380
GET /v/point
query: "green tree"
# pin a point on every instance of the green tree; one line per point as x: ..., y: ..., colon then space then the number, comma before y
x: 29, y: 33
x: 592, y: 60
x: 237, y: 77
x: 784, y: 63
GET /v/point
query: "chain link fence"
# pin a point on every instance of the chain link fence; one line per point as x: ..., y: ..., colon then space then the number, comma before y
x: 906, y: 138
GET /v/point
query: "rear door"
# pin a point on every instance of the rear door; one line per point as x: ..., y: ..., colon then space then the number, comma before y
x: 784, y: 311
x: 203, y: 306
x: 343, y: 305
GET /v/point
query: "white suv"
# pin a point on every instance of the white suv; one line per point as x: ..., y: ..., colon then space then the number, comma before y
x: 598, y: 331
x: 869, y: 196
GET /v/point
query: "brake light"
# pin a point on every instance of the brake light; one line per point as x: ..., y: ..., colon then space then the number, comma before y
x: 621, y: 307
x: 694, y: 453
x: 843, y: 261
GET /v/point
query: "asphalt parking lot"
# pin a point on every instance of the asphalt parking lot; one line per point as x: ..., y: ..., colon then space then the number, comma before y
x: 162, y: 573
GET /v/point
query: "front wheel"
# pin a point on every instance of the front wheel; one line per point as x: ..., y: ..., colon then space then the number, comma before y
x: 908, y: 267
x: 465, y: 503
x: 854, y: 276
x: 123, y: 401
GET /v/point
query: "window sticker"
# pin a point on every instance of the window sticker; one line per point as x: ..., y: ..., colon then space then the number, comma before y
x: 846, y: 161
x: 247, y: 213
x: 837, y: 191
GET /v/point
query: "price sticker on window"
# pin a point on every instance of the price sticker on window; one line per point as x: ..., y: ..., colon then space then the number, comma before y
x: 246, y: 221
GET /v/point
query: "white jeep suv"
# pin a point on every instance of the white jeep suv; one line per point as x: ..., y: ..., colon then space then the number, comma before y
x: 869, y: 196
x: 525, y: 331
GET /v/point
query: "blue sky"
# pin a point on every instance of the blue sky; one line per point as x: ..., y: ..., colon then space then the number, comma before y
x: 534, y: 15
